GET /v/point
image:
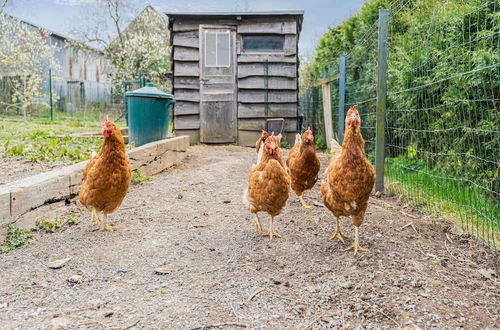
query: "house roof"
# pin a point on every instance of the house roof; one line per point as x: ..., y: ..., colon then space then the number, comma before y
x: 57, y: 34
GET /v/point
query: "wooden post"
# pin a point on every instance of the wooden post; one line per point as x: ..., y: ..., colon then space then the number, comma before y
x: 341, y: 98
x: 381, y: 99
x: 327, y: 111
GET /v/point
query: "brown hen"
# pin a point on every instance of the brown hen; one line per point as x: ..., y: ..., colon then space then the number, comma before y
x: 268, y: 185
x: 303, y: 165
x: 349, y: 179
x: 106, y: 177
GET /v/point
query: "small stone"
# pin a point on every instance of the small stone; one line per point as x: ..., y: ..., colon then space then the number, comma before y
x: 75, y: 279
x: 378, y: 194
x: 123, y: 271
x: 346, y: 285
x: 226, y: 202
x: 56, y: 264
x: 179, y: 196
x: 318, y: 204
x: 108, y: 314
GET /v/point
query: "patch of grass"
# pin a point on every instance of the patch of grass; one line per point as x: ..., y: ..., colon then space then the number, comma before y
x: 58, y: 224
x: 16, y: 237
x: 138, y: 177
x: 438, y: 193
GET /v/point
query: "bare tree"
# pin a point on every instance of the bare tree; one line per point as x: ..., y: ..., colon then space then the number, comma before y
x: 132, y: 44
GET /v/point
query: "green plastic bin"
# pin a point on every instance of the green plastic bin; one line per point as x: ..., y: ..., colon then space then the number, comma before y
x: 148, y: 114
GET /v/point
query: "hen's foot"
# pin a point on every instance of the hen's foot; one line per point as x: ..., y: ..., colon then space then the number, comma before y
x: 271, y: 234
x: 108, y: 228
x: 304, y: 204
x: 356, y: 248
x: 339, y: 236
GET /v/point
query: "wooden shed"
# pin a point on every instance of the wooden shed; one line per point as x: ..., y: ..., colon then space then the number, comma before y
x: 235, y: 74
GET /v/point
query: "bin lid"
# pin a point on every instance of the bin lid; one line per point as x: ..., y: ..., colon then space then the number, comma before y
x: 150, y: 91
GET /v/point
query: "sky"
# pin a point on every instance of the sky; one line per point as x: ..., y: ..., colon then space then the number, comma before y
x: 64, y: 16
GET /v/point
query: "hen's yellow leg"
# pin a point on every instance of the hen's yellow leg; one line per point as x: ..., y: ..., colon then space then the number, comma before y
x: 338, y: 234
x: 257, y: 223
x: 271, y: 232
x: 303, y: 202
x: 95, y: 216
x: 355, y: 245
x: 104, y: 226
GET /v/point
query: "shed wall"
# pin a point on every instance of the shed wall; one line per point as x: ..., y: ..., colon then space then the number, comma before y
x: 282, y: 90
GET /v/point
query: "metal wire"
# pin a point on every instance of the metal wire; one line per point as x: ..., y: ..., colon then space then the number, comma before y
x: 442, y: 136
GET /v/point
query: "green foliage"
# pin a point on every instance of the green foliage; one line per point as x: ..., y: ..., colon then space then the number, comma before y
x: 46, y: 143
x: 16, y: 237
x: 442, y: 121
x: 138, y: 177
x: 58, y: 224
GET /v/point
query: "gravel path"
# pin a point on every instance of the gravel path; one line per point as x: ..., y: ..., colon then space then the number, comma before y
x: 190, y: 220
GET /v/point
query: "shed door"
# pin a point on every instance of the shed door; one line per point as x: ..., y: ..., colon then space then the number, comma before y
x: 217, y: 85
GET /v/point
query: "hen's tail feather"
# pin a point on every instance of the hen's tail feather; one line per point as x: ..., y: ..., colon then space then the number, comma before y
x: 297, y: 139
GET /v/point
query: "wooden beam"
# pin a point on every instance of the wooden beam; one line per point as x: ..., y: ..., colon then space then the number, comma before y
x: 327, y: 113
x: 326, y: 80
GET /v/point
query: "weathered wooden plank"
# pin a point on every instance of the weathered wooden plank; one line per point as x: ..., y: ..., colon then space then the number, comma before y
x: 285, y: 26
x: 258, y: 124
x: 218, y: 96
x: 194, y: 134
x: 272, y: 83
x: 290, y: 45
x: 258, y: 96
x: 327, y: 80
x: 187, y: 95
x: 187, y: 69
x: 186, y: 54
x: 249, y: 110
x: 274, y: 69
x: 194, y: 24
x: 182, y: 26
x: 187, y: 122
x: 187, y: 82
x: 248, y: 138
x: 186, y: 39
x: 186, y: 108
x: 272, y: 58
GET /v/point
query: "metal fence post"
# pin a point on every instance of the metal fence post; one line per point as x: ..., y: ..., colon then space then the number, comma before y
x: 342, y: 80
x: 381, y: 98
x: 50, y: 95
x: 327, y: 111
x: 314, y: 110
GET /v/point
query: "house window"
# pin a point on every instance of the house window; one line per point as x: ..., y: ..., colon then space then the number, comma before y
x: 264, y: 43
x: 217, y: 49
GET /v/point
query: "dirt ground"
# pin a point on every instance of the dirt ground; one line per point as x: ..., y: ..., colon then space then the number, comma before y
x: 219, y: 273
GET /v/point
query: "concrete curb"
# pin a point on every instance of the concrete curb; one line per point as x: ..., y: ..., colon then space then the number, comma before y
x: 22, y: 196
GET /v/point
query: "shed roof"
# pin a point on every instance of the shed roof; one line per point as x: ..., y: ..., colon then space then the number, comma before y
x: 172, y: 16
x: 244, y: 13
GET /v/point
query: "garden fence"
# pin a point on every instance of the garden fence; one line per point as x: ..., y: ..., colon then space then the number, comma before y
x: 428, y: 92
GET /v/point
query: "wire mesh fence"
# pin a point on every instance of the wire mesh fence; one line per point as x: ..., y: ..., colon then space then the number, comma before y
x: 442, y: 120
x: 71, y: 99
